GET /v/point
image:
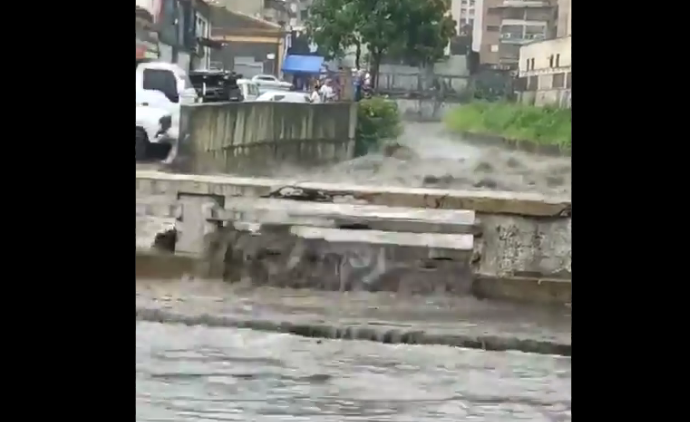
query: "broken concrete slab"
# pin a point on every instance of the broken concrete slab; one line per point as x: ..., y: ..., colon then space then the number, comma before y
x: 374, y: 217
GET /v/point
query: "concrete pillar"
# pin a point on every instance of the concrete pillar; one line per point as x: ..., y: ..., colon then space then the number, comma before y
x: 193, y: 225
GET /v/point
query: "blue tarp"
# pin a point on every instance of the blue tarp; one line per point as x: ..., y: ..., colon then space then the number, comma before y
x: 302, y: 64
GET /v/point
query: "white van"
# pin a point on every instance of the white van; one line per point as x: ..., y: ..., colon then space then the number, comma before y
x: 250, y: 89
x: 170, y: 86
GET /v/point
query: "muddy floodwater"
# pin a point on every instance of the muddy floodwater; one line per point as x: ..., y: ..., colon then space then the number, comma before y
x: 201, y: 374
x: 197, y: 373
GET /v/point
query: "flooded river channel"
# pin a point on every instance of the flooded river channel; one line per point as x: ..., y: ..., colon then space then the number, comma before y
x: 205, y: 374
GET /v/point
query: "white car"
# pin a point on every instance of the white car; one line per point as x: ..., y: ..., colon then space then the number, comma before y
x: 250, y: 90
x: 284, y: 97
x: 270, y: 82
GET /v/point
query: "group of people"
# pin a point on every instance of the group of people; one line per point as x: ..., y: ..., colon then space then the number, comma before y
x: 322, y: 92
x: 329, y: 88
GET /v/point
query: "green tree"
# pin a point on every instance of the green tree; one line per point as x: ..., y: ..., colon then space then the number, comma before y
x: 429, y: 28
x: 333, y: 25
x: 418, y: 30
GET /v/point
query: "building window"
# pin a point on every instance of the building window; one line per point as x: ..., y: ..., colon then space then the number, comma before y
x: 532, y: 83
x: 471, y: 21
x: 304, y: 14
x: 558, y: 60
x: 535, y: 32
x: 569, y: 80
x: 551, y: 60
x: 559, y: 80
x: 514, y: 13
x: 512, y: 32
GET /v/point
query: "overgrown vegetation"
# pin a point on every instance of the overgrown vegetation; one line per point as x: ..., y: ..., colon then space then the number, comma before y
x: 541, y: 125
x: 377, y: 120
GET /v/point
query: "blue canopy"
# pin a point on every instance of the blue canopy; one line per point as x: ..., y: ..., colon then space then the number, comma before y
x: 302, y: 64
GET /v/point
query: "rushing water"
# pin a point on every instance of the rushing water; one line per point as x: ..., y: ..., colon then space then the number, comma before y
x: 211, y: 374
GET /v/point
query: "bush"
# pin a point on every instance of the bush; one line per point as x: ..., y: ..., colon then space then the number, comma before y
x: 542, y: 125
x: 377, y: 120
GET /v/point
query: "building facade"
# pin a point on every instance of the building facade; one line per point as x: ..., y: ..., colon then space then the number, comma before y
x: 501, y: 27
x: 545, y: 71
x: 564, y: 20
x: 146, y: 34
x: 250, y: 45
x: 464, y: 13
x: 280, y: 12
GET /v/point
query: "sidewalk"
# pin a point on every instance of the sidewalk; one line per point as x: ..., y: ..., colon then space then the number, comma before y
x: 383, y: 317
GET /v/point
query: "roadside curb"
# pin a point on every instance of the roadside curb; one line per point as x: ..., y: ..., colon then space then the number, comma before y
x: 359, y: 332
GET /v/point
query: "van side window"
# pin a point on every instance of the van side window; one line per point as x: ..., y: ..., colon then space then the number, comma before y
x: 163, y: 81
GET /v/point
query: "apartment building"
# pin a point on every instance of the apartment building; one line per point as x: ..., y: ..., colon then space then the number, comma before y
x: 501, y: 27
x: 464, y: 13
x: 276, y: 11
x: 564, y: 20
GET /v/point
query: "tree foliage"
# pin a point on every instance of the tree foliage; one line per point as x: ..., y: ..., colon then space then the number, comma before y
x: 429, y: 29
x: 332, y: 25
x: 417, y: 30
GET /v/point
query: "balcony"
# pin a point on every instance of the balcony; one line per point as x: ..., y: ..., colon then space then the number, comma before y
x: 523, y: 4
x: 508, y: 38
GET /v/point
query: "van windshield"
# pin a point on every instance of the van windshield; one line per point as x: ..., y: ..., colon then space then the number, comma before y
x: 162, y: 80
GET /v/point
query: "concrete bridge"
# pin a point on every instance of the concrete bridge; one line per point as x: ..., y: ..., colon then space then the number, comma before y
x: 344, y: 237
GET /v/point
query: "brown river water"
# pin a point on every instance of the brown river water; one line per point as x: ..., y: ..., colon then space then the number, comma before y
x: 203, y: 374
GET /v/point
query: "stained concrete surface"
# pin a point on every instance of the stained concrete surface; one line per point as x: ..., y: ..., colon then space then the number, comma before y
x: 427, y: 156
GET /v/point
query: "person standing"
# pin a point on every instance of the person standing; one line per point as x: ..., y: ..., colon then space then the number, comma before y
x: 326, y: 91
x: 315, y: 96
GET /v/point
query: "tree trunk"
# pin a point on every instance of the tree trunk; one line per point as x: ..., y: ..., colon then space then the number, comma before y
x: 358, y: 53
x: 376, y: 64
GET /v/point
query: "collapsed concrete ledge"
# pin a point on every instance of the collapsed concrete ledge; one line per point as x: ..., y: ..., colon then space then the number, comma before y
x: 341, y: 237
x: 379, y: 334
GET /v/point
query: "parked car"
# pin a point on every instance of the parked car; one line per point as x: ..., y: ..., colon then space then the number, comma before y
x: 270, y: 82
x: 250, y: 90
x: 284, y: 97
x: 216, y: 85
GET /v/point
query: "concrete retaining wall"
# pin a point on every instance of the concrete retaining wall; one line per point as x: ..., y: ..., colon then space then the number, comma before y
x: 253, y: 137
x: 522, y: 238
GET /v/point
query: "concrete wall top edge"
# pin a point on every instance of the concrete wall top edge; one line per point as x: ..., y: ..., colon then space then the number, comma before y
x: 499, y: 202
x: 250, y: 104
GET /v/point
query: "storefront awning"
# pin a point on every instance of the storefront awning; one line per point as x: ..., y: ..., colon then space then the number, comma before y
x: 302, y: 64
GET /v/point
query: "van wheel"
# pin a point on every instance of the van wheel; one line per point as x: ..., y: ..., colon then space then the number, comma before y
x: 142, y: 144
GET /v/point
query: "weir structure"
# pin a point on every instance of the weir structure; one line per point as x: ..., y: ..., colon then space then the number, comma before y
x: 341, y: 237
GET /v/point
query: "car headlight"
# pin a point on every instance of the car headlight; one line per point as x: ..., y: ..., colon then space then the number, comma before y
x: 165, y: 122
